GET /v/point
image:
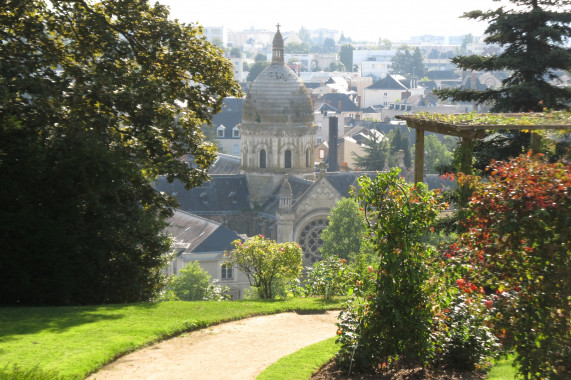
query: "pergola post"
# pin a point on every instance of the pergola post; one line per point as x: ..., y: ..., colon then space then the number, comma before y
x: 466, y: 148
x: 419, y: 156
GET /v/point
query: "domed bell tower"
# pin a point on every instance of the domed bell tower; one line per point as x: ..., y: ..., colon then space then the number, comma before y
x: 277, y: 130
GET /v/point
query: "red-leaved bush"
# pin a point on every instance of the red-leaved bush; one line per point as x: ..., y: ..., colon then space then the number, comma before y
x: 517, y: 247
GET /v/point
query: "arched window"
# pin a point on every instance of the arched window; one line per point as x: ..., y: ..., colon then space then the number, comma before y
x: 288, y: 159
x: 307, y: 159
x: 262, y: 159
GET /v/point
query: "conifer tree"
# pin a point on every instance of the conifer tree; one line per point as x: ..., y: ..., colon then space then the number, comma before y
x: 532, y: 34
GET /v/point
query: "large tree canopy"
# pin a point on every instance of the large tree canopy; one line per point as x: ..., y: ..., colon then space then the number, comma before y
x: 533, y: 36
x: 96, y: 100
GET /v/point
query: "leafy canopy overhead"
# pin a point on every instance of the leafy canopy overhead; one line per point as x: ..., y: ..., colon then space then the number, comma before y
x: 96, y: 100
x: 533, y: 36
x: 119, y: 68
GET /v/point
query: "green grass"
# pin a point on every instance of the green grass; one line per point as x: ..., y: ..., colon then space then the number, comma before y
x: 73, y: 342
x: 303, y: 363
x: 502, y: 370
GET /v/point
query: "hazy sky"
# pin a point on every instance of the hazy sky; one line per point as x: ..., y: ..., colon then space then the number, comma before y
x: 358, y: 19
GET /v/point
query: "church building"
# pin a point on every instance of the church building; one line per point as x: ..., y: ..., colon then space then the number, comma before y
x: 273, y: 189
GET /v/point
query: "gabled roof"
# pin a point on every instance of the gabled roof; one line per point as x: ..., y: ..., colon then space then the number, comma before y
x: 222, y: 194
x: 199, y: 235
x: 347, y: 104
x: 298, y: 187
x: 390, y: 82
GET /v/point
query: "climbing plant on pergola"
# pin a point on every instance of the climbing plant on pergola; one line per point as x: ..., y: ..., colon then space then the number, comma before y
x: 471, y: 126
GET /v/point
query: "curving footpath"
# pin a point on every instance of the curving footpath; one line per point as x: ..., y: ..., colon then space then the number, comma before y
x: 235, y: 350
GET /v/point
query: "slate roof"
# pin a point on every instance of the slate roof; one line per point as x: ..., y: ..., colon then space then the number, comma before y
x: 199, y: 235
x: 222, y: 194
x: 229, y: 116
x: 387, y: 83
x: 225, y: 164
x: 347, y: 104
x: 298, y: 187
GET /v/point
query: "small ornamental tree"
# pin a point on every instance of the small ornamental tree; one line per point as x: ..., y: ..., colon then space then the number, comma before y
x: 265, y: 262
x: 396, y: 322
x: 518, y: 246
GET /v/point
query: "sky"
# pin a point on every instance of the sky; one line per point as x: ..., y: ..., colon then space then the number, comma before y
x: 367, y: 20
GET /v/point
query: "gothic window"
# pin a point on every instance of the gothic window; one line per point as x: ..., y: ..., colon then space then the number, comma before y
x: 307, y: 159
x: 310, y: 240
x: 262, y: 159
x: 288, y: 159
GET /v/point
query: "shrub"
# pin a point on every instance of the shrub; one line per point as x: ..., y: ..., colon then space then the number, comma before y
x: 193, y: 284
x: 395, y: 323
x: 518, y: 246
x: 266, y: 262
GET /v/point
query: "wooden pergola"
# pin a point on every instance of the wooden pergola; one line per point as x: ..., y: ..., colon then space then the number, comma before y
x: 472, y: 126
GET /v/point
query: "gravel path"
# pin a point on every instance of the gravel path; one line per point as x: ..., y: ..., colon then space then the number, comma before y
x: 235, y: 350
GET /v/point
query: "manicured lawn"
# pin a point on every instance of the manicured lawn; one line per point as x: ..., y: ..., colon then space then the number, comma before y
x: 303, y: 363
x: 75, y: 341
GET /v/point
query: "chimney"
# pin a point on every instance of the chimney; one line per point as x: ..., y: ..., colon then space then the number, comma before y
x: 333, y: 163
x: 340, y: 106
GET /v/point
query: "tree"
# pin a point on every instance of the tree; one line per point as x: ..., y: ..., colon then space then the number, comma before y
x: 255, y: 70
x: 343, y: 236
x: 336, y: 66
x: 236, y: 52
x: 517, y: 245
x: 436, y: 154
x: 376, y: 149
x: 260, y: 58
x: 305, y: 36
x: 97, y: 101
x: 399, y: 142
x: 193, y: 284
x: 346, y: 56
x: 533, y: 36
x: 385, y: 44
x: 296, y: 48
x: 266, y: 262
x: 328, y: 45
x: 408, y: 63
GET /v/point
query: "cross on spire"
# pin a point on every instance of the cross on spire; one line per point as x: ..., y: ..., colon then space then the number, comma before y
x: 278, y: 25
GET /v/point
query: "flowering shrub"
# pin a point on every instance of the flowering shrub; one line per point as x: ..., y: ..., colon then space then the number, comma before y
x: 464, y: 338
x: 394, y: 322
x: 518, y: 245
x: 266, y: 263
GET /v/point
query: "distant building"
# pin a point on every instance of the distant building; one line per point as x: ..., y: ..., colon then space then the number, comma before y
x: 213, y: 33
x: 199, y: 239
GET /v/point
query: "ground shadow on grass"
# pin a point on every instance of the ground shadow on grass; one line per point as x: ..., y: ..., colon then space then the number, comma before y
x: 29, y: 320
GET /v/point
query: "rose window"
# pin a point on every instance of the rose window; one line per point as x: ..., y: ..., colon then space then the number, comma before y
x: 310, y: 240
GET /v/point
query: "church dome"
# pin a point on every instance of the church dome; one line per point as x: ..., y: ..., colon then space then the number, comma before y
x: 277, y: 96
